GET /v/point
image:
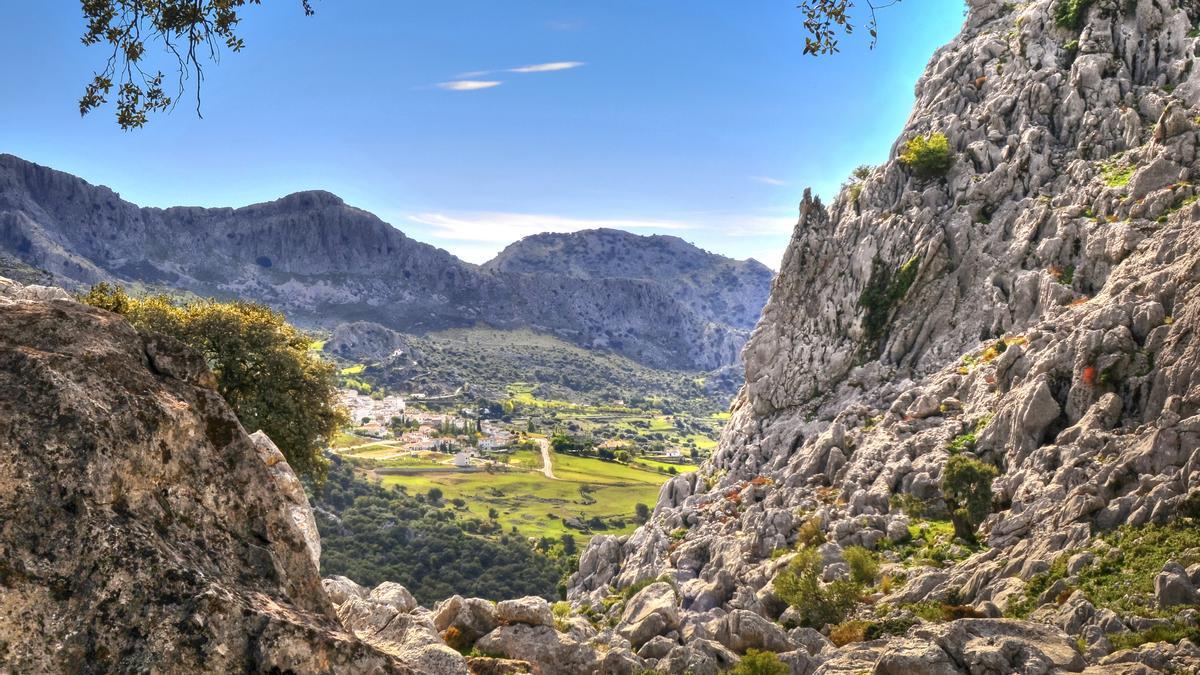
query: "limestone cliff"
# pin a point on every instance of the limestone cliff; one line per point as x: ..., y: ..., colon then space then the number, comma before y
x: 1036, y: 307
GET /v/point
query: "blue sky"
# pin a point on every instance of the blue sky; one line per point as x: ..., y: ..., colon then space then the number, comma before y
x: 700, y: 119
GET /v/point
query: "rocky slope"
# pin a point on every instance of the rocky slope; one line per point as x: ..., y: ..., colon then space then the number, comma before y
x: 324, y: 262
x: 1065, y: 228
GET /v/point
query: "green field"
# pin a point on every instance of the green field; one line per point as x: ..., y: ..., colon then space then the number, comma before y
x: 536, y: 505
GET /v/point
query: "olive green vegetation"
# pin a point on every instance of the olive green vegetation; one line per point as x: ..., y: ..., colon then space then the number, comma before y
x: 1069, y: 13
x: 965, y: 442
x: 1173, y: 632
x: 799, y: 585
x: 931, y: 543
x: 967, y: 488
x: 1122, y: 576
x: 757, y: 662
x: 884, y: 290
x: 864, y: 565
x: 1118, y: 175
x: 589, y: 496
x: 372, y: 534
x: 263, y: 365
x: 928, y: 156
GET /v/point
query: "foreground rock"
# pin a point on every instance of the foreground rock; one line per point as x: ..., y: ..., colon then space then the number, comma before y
x: 142, y: 529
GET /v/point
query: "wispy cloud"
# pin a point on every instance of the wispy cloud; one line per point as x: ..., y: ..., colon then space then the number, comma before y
x: 468, y: 85
x: 769, y: 181
x: 565, y: 24
x: 547, y: 67
x: 502, y: 227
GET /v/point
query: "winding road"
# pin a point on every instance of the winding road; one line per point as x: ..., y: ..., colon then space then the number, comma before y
x: 547, y: 465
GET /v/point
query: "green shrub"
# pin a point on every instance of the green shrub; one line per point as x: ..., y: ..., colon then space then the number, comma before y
x: 756, y: 662
x: 864, y: 567
x: 928, y: 156
x: 967, y: 489
x: 263, y: 366
x: 849, y: 631
x: 810, y: 533
x: 1173, y: 633
x: 1070, y: 13
x: 799, y: 585
x: 884, y: 290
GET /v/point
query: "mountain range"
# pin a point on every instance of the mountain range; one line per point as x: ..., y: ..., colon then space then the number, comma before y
x: 656, y: 299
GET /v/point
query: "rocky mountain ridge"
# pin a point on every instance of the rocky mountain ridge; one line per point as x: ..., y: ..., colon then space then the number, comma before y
x: 324, y: 262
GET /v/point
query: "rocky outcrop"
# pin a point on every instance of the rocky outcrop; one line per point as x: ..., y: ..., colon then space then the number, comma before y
x: 324, y: 262
x: 364, y: 341
x: 143, y: 529
x: 1036, y: 308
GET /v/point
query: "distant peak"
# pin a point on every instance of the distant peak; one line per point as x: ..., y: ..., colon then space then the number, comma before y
x: 312, y: 199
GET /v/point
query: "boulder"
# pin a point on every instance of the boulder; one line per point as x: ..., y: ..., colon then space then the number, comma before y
x: 1173, y: 587
x: 657, y: 647
x: 698, y: 657
x: 409, y: 637
x: 530, y: 610
x: 741, y: 630
x: 1007, y: 645
x: 652, y: 611
x: 471, y: 617
x: 341, y: 589
x: 394, y: 595
x: 547, y: 650
x: 915, y: 657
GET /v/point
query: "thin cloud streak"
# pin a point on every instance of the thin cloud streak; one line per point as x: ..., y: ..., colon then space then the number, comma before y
x: 769, y: 181
x: 551, y: 67
x: 468, y: 85
x: 547, y: 67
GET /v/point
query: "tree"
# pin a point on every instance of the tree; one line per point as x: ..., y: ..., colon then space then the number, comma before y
x: 642, y: 511
x: 568, y: 542
x: 434, y: 494
x: 799, y: 585
x: 823, y: 19
x: 263, y: 366
x: 967, y: 489
x: 187, y: 32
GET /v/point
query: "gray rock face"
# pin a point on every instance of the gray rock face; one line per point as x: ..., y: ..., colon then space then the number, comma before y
x: 323, y: 262
x: 144, y: 529
x: 1037, y: 307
